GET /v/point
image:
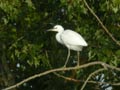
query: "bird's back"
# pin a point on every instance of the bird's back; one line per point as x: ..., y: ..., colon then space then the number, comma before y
x: 73, y: 38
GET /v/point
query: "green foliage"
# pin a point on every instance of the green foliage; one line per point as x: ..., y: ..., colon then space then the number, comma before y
x: 23, y: 25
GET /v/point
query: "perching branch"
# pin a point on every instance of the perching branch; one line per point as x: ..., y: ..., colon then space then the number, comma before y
x: 62, y: 69
x: 102, y: 25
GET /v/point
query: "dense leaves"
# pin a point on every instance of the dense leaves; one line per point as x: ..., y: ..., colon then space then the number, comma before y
x: 26, y: 48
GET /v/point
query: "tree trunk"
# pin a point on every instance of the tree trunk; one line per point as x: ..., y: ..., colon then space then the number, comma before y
x: 6, y: 76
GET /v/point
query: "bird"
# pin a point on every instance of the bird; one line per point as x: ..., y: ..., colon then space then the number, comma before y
x: 70, y: 39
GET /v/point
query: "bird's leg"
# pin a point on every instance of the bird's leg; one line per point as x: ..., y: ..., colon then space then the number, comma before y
x: 78, y: 54
x: 67, y: 58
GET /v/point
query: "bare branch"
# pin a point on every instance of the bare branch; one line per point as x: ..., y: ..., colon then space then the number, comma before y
x: 118, y: 25
x: 78, y: 81
x: 102, y: 25
x: 93, y: 73
x: 62, y: 69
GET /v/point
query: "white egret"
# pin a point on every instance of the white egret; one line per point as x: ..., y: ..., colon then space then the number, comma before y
x: 71, y: 39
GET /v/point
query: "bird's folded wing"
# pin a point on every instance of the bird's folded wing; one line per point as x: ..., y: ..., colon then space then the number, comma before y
x: 72, y: 38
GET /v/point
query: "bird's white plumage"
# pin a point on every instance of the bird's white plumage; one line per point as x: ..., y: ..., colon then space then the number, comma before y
x: 71, y: 39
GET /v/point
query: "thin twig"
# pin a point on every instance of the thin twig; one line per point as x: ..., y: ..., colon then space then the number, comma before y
x: 12, y: 45
x: 118, y: 25
x: 93, y: 73
x: 61, y: 69
x: 102, y: 25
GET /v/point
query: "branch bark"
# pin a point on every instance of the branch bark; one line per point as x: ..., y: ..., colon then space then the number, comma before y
x: 93, y: 73
x: 62, y: 69
x: 90, y: 81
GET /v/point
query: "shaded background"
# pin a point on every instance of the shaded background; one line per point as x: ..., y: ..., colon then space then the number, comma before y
x: 26, y: 48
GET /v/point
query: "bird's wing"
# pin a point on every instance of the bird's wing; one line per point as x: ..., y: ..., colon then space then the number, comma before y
x: 72, y: 38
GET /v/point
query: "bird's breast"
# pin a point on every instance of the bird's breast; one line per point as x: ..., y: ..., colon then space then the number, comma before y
x: 58, y: 38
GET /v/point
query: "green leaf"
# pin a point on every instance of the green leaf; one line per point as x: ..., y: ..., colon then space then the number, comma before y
x: 117, y: 52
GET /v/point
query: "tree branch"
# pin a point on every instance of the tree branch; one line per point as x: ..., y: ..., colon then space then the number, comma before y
x: 78, y: 81
x: 62, y: 69
x: 102, y: 25
x: 93, y: 73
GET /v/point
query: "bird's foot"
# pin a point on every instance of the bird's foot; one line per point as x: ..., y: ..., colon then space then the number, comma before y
x: 78, y: 65
x: 63, y: 69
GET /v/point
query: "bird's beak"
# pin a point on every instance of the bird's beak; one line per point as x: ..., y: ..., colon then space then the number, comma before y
x: 52, y: 30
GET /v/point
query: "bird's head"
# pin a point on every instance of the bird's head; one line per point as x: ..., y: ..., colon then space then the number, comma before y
x: 57, y: 28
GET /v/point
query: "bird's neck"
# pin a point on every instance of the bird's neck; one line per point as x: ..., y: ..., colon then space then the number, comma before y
x: 58, y: 37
